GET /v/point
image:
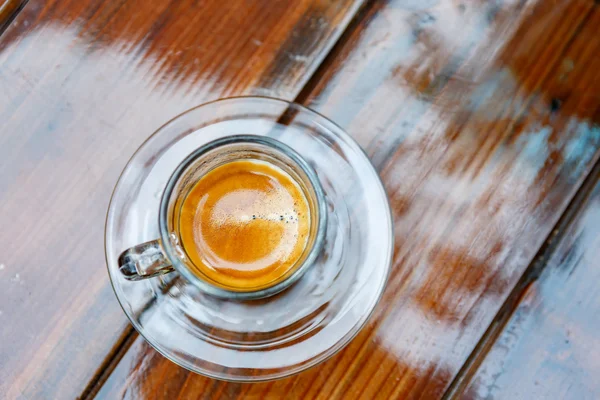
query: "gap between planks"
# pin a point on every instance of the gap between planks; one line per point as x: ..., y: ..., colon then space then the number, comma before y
x: 110, y: 362
x: 8, y: 11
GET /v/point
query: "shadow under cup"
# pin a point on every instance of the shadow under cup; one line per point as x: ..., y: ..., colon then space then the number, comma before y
x: 167, y: 254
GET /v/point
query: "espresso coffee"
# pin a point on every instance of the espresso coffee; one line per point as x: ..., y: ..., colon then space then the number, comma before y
x: 245, y: 225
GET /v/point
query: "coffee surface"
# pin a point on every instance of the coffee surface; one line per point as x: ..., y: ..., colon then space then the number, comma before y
x: 245, y: 224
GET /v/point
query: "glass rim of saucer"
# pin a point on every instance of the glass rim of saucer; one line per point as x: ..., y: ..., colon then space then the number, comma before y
x: 353, y: 313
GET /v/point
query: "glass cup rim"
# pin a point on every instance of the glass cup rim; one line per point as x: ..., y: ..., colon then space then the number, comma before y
x: 206, y: 286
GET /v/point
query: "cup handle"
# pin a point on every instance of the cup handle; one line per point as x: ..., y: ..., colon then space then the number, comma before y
x: 145, y: 260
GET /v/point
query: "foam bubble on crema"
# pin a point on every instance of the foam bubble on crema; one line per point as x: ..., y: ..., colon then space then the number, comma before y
x: 244, y: 206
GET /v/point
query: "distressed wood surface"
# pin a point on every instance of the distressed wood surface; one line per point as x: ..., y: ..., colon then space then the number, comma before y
x: 550, y: 348
x: 483, y: 119
x: 82, y: 84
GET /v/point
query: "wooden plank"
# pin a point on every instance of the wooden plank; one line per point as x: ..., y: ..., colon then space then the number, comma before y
x: 82, y: 84
x: 8, y: 10
x: 482, y: 118
x: 550, y: 347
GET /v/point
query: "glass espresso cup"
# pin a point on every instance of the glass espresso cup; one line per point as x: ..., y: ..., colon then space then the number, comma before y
x: 168, y: 253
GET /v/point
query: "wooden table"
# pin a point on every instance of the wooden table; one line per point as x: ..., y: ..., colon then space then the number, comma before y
x: 482, y: 118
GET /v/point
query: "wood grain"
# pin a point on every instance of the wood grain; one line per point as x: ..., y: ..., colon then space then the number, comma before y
x: 8, y: 9
x: 550, y: 346
x: 483, y: 120
x: 82, y: 84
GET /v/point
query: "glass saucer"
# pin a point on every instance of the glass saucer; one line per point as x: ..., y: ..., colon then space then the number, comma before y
x: 284, y: 334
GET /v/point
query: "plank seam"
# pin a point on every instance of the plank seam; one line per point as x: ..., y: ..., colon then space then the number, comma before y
x: 109, y: 364
x: 317, y: 76
x: 9, y: 11
x: 529, y: 277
